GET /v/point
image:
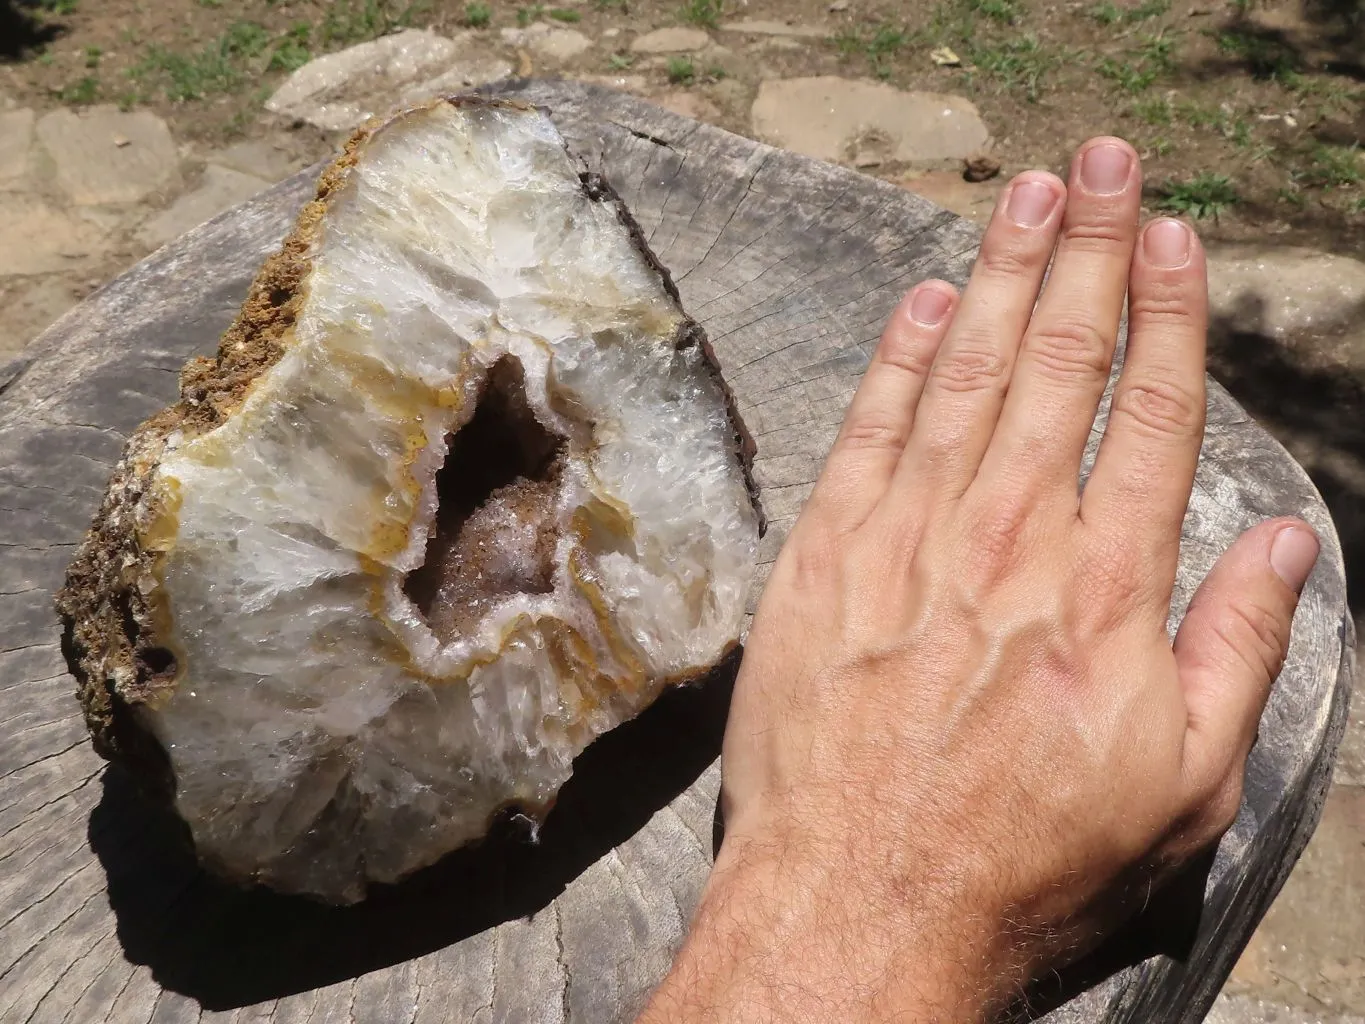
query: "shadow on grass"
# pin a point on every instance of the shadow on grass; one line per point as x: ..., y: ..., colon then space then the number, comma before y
x: 227, y: 947
x: 1327, y: 36
x: 24, y: 29
x: 1315, y: 408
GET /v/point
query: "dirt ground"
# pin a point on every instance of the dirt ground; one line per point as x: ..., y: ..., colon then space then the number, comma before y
x: 1266, y: 95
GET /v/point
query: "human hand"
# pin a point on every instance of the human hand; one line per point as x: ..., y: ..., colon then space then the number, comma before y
x: 961, y: 745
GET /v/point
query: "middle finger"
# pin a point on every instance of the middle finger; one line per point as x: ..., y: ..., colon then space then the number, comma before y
x: 971, y: 372
x: 1066, y: 353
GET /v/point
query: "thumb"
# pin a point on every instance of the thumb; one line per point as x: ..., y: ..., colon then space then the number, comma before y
x: 1233, y: 641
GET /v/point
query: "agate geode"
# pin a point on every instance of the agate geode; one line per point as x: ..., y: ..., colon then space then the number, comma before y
x: 462, y: 490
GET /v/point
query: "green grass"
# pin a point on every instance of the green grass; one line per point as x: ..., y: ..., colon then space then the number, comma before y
x: 1018, y: 62
x: 1332, y: 96
x: 705, y: 13
x: 1198, y: 116
x: 1331, y: 167
x: 82, y: 92
x: 1129, y: 77
x: 355, y: 21
x: 620, y: 61
x: 61, y: 8
x: 1158, y: 50
x: 1292, y: 196
x: 681, y: 71
x: 526, y: 15
x: 477, y: 15
x: 220, y: 67
x: 1265, y: 57
x: 611, y: 5
x: 1161, y: 146
x: 92, y: 56
x: 564, y: 14
x: 878, y: 46
x: 1109, y: 13
x: 1205, y: 195
x: 1006, y: 11
x: 291, y: 50
x: 1153, y: 111
x: 1141, y: 66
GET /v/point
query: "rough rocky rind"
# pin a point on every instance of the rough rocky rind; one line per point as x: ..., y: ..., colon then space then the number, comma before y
x: 117, y: 640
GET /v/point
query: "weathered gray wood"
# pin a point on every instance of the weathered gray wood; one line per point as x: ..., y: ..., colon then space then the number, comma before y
x: 792, y: 266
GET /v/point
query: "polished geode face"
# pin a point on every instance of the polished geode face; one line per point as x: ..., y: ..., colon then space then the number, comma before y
x: 484, y: 507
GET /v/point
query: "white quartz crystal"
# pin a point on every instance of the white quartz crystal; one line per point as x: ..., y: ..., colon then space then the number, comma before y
x: 326, y: 731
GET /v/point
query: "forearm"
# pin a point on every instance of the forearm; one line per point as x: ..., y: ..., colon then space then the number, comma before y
x: 782, y: 939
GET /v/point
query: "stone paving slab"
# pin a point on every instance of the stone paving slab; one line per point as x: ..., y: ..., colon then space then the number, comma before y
x: 16, y: 143
x: 865, y: 122
x: 105, y: 155
x: 221, y: 188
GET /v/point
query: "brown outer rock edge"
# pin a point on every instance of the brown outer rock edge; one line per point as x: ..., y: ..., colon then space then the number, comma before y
x: 117, y: 642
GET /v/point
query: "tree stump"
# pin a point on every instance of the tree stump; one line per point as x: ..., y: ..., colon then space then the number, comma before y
x: 792, y: 266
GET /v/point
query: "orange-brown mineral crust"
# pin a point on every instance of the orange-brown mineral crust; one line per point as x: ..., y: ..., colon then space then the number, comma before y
x: 471, y: 343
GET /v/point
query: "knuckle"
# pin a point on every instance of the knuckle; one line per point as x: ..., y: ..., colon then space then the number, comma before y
x: 999, y: 534
x: 1160, y: 306
x: 1114, y: 577
x: 1159, y: 408
x: 809, y: 557
x: 969, y: 368
x: 906, y: 355
x: 1072, y: 347
x: 873, y: 432
x: 1256, y: 634
x: 1103, y: 233
x: 1008, y: 260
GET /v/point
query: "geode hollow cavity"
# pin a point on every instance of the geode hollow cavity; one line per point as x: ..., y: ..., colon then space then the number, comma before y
x: 462, y: 490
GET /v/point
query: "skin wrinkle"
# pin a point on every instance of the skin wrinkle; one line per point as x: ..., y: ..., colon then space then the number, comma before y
x: 961, y: 746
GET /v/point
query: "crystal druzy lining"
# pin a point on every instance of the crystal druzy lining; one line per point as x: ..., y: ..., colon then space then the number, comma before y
x: 462, y: 491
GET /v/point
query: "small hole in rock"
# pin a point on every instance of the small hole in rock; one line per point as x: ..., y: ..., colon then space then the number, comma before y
x: 495, y: 529
x: 157, y: 661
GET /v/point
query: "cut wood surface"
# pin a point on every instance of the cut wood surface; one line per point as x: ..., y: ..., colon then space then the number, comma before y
x: 792, y: 266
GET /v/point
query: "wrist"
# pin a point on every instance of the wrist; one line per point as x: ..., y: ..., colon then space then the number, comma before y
x: 789, y: 932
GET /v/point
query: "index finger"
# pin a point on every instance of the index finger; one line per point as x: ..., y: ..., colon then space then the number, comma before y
x: 1144, y: 471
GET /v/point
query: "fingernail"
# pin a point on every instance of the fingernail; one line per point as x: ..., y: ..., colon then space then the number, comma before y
x: 1167, y: 244
x: 1031, y: 203
x: 1105, y: 169
x: 929, y: 306
x: 1292, y: 555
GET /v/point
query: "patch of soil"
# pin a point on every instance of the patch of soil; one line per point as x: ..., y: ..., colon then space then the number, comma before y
x: 1269, y: 95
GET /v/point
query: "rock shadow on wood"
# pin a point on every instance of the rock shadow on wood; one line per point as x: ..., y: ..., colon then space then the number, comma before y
x: 228, y: 947
x: 23, y: 31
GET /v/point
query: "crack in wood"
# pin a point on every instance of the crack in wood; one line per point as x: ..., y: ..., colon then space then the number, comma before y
x: 45, y: 757
x: 115, y: 955
x: 646, y: 136
x: 563, y: 964
x: 64, y: 972
x: 39, y: 941
x: 28, y: 815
